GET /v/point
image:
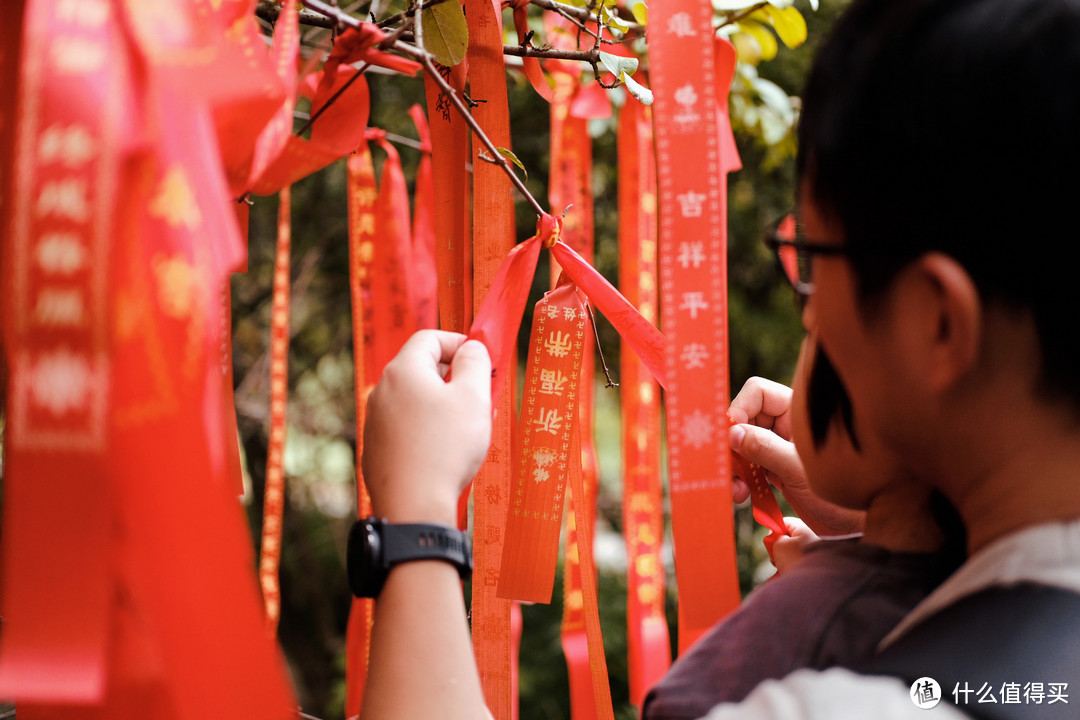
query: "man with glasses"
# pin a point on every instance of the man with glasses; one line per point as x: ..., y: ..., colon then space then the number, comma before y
x: 939, y: 148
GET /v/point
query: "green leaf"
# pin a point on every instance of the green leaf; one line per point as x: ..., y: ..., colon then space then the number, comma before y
x: 639, y: 91
x: 513, y: 158
x: 641, y: 13
x: 789, y: 24
x: 617, y: 65
x: 446, y: 35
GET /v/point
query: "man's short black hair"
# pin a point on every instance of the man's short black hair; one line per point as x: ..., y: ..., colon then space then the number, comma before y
x: 954, y: 125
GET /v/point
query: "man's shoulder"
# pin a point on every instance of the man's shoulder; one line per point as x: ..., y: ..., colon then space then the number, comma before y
x: 834, y: 694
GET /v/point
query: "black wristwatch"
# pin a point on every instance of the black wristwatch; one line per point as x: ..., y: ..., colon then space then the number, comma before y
x: 375, y: 546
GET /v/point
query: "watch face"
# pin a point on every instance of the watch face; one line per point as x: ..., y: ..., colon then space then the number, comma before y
x: 366, y: 574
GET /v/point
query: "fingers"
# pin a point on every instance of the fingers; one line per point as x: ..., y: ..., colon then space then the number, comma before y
x: 787, y: 550
x: 471, y: 365
x: 434, y: 346
x: 766, y: 448
x: 740, y: 490
x: 762, y: 402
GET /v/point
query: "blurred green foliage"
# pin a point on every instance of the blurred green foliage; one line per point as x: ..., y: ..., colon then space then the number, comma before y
x: 764, y: 335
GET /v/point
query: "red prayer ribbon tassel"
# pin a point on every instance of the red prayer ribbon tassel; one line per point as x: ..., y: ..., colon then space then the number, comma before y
x: 274, y: 495
x: 648, y: 643
x: 693, y: 255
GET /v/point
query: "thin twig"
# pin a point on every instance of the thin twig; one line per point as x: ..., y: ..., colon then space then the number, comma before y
x: 577, y: 13
x: 733, y: 17
x: 603, y: 363
x: 333, y: 98
x: 269, y: 11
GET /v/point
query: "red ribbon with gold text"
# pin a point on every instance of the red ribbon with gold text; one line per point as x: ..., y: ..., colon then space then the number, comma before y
x: 549, y: 415
x: 493, y: 237
x: 362, y: 195
x: 274, y: 493
x: 693, y: 260
x: 64, y: 183
x: 648, y: 644
x: 122, y: 238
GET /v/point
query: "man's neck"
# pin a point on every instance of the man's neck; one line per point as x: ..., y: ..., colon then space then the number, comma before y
x: 900, y: 519
x: 1034, y: 485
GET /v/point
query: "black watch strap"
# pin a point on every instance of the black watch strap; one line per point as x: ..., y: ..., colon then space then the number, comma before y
x: 375, y: 546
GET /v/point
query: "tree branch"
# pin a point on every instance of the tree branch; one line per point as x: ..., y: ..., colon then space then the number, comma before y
x: 269, y: 11
x: 426, y: 60
x: 733, y: 17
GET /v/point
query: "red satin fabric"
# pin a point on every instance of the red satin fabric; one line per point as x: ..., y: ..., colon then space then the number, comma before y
x: 692, y: 169
x: 648, y: 644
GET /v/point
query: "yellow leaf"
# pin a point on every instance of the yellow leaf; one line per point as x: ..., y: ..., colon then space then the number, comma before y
x: 788, y: 23
x: 641, y: 13
x: 765, y: 39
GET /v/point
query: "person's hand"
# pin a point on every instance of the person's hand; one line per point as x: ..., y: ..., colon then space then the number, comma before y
x: 787, y: 550
x: 425, y: 438
x: 762, y: 434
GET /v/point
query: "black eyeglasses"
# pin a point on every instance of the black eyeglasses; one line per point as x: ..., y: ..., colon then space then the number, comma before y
x: 796, y: 253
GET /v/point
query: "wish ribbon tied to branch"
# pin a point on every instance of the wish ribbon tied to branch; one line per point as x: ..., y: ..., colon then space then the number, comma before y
x: 497, y: 321
x: 548, y: 422
x: 499, y: 317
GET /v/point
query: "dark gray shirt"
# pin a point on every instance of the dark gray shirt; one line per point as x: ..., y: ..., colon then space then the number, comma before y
x: 831, y: 609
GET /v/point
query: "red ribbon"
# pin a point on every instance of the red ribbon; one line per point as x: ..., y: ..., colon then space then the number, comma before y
x: 394, y: 303
x: 648, y: 644
x: 362, y: 195
x: 493, y: 209
x: 693, y: 188
x: 449, y: 157
x: 531, y: 65
x: 274, y: 493
x: 424, y: 281
x: 549, y: 416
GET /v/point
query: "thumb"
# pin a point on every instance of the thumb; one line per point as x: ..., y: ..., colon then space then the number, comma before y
x: 471, y: 366
x: 767, y: 449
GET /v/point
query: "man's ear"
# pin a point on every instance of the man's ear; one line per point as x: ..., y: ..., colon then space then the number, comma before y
x: 945, y: 318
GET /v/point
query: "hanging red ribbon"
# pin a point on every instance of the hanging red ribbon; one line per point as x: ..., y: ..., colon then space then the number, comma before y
x: 530, y: 65
x: 423, y: 274
x: 340, y: 125
x: 493, y: 213
x: 362, y: 195
x: 590, y: 699
x: 693, y: 190
x: 648, y: 644
x: 274, y: 494
x: 449, y: 157
x: 120, y: 207
x: 56, y: 263
x: 549, y: 416
x: 393, y: 297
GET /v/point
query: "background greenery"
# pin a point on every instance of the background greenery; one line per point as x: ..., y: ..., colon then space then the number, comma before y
x: 764, y: 333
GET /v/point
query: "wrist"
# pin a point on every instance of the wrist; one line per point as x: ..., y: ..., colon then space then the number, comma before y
x: 417, y: 509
